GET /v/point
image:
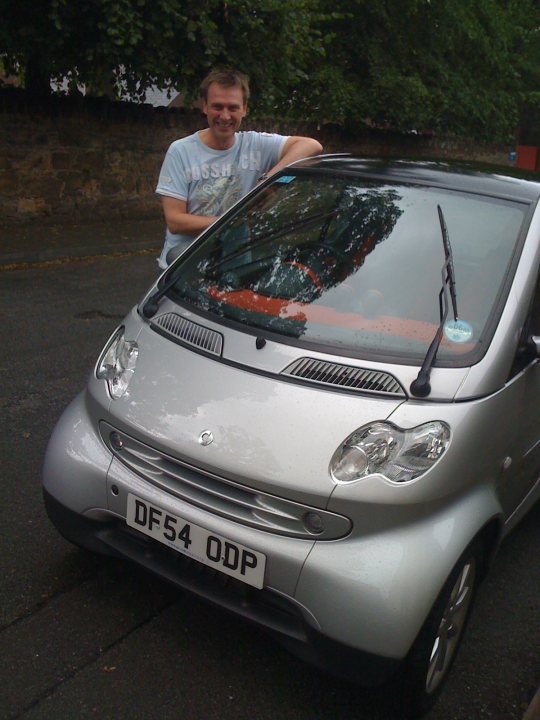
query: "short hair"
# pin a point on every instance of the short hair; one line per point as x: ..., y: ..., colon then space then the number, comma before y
x: 226, y: 78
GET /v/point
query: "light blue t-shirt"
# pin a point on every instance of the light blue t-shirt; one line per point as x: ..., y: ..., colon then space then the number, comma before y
x: 211, y: 181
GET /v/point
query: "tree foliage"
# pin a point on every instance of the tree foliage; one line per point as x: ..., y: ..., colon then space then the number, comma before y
x: 134, y: 44
x: 462, y: 66
x: 452, y: 65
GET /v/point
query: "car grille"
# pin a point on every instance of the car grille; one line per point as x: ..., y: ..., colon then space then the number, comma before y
x: 219, y: 495
x: 346, y: 377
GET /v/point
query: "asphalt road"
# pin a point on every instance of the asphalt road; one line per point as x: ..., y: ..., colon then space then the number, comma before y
x: 87, y: 637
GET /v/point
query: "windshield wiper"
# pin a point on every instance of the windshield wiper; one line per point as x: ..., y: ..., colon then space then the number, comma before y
x: 421, y: 387
x: 150, y: 307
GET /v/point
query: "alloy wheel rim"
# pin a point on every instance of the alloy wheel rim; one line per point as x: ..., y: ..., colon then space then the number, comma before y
x: 451, y: 626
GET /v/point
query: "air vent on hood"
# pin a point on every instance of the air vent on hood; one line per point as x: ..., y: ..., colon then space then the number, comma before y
x: 189, y: 332
x: 347, y: 377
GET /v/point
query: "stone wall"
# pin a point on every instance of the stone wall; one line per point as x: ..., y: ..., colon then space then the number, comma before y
x: 72, y: 159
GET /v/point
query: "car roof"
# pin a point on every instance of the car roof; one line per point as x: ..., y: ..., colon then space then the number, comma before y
x: 499, y: 181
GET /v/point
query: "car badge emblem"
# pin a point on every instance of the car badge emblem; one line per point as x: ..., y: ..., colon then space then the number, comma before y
x: 206, y: 438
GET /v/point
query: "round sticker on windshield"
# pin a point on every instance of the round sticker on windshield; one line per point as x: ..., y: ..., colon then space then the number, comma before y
x: 458, y: 331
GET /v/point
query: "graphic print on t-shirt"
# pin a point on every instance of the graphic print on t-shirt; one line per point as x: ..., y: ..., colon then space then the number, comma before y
x: 215, y: 196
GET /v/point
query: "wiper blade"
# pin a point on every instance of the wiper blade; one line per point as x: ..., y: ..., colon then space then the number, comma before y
x: 421, y: 387
x: 449, y: 264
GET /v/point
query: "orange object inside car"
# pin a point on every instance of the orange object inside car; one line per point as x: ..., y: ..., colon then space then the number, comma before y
x: 319, y: 314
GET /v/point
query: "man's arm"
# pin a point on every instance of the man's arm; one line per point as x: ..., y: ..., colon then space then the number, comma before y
x: 296, y: 148
x: 179, y: 221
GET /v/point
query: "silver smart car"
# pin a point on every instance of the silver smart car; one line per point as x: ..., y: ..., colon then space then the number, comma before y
x: 324, y: 416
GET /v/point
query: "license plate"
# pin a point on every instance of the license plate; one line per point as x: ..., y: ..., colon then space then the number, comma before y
x: 225, y: 555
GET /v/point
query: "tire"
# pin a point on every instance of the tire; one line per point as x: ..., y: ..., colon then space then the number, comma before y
x: 428, y: 663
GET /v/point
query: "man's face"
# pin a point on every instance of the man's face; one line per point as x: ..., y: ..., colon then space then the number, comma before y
x: 224, y: 108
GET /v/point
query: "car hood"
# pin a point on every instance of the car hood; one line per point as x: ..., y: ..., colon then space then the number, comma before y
x: 270, y: 433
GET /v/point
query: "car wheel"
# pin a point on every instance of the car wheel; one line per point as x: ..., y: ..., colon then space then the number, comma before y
x: 426, y: 667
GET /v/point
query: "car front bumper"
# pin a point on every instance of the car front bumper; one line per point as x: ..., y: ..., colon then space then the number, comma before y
x: 352, y: 605
x: 278, y: 615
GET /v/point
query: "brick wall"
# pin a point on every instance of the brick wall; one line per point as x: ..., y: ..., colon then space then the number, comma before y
x: 75, y: 159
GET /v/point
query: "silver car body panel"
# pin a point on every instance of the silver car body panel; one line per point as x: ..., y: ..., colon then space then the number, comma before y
x: 394, y: 526
x: 379, y: 593
x: 193, y: 392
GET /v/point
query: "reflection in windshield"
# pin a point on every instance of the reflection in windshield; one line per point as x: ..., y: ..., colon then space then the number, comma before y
x: 353, y: 264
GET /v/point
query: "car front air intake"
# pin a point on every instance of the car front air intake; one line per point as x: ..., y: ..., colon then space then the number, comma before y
x: 179, y: 328
x: 347, y: 377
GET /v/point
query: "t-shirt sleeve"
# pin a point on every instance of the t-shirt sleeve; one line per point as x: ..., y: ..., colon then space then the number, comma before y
x: 271, y: 148
x: 172, y: 178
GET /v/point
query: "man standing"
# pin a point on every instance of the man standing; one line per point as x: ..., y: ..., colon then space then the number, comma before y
x: 204, y: 174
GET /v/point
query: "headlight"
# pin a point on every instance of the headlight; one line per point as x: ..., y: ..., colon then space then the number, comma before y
x: 117, y: 363
x: 385, y: 449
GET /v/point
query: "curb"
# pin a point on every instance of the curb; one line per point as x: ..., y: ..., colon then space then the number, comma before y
x: 52, y: 242
x: 36, y: 257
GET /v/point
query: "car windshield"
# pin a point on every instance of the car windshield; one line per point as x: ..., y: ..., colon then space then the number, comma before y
x: 354, y: 265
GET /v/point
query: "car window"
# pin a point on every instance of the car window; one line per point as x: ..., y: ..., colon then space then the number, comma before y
x: 356, y: 266
x: 526, y: 352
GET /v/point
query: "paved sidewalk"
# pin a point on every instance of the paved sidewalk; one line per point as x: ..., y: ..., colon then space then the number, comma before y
x: 46, y: 241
